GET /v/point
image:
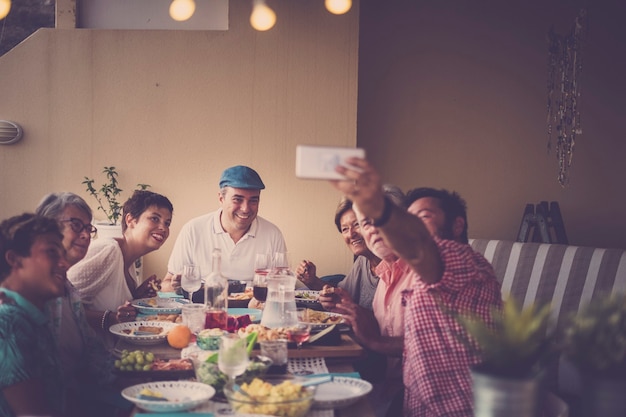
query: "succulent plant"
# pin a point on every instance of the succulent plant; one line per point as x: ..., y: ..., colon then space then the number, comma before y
x: 595, y: 339
x: 108, y: 193
x: 515, y: 344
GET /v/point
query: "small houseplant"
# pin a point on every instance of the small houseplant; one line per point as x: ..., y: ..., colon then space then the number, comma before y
x: 595, y: 342
x: 513, y: 349
x: 107, y: 195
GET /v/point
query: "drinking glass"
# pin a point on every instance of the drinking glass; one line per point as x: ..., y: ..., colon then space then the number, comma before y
x: 301, y: 331
x: 232, y: 357
x: 262, y: 263
x: 259, y: 287
x: 190, y: 280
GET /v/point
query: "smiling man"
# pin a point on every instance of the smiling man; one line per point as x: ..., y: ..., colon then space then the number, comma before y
x: 235, y: 228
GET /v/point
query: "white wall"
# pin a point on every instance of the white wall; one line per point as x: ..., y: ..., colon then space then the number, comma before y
x: 174, y: 108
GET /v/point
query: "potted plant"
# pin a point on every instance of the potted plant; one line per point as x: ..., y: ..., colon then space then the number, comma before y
x: 513, y: 349
x: 595, y: 342
x: 108, y: 193
x: 107, y: 198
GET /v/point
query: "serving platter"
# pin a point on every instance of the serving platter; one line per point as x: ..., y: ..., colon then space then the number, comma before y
x: 132, y: 331
x: 158, y: 305
x: 341, y: 392
x: 180, y: 395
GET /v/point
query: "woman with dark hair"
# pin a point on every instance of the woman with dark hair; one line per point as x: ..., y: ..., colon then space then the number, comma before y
x: 32, y: 272
x: 105, y: 278
x: 361, y: 281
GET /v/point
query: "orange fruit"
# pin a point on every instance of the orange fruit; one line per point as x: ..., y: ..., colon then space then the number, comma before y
x: 179, y: 337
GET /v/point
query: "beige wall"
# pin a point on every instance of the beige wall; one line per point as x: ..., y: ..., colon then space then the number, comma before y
x: 453, y: 94
x: 174, y: 108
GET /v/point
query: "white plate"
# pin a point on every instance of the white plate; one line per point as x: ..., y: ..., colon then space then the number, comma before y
x: 132, y: 326
x: 318, y: 325
x: 255, y: 314
x: 307, y: 296
x: 341, y: 392
x: 159, y: 305
x: 181, y: 395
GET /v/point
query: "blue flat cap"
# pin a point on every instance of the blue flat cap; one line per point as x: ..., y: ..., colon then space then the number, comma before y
x: 241, y: 176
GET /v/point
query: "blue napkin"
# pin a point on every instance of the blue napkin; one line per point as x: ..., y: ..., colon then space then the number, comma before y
x: 163, y: 294
x: 346, y: 374
x: 181, y: 414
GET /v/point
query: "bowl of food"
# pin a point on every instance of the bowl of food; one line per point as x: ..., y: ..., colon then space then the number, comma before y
x: 209, y: 373
x: 272, y: 395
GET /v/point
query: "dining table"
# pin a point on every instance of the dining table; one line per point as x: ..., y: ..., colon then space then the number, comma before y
x: 336, y: 359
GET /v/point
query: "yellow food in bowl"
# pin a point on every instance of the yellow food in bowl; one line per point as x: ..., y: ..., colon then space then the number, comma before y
x: 284, y: 399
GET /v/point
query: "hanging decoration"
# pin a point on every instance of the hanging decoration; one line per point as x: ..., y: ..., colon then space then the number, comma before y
x: 564, y: 71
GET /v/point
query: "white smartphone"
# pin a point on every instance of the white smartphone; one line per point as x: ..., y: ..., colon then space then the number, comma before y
x: 319, y: 162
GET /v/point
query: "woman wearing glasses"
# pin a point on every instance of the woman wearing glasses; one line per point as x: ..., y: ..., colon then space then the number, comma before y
x: 84, y: 358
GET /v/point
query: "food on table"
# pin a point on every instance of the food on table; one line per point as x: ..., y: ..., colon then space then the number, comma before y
x: 209, y: 372
x: 137, y: 360
x: 179, y: 336
x: 264, y: 333
x: 246, y: 295
x: 284, y: 399
x: 307, y: 296
x: 316, y: 317
x: 144, y: 330
x: 174, y: 318
x: 148, y: 394
x: 152, y: 302
x: 150, y: 329
x: 172, y: 365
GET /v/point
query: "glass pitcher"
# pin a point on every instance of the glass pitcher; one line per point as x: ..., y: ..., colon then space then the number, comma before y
x: 281, y: 284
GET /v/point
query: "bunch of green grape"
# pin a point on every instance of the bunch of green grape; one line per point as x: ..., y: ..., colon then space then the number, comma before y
x: 137, y: 360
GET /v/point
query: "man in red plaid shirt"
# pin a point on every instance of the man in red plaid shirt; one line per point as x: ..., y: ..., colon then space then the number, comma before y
x: 448, y: 278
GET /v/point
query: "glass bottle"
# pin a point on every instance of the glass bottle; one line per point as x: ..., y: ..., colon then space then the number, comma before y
x: 216, y: 295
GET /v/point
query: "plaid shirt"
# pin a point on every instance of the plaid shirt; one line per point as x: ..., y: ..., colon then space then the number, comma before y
x: 436, y: 364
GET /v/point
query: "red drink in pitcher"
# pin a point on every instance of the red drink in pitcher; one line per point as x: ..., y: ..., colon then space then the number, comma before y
x: 216, y: 319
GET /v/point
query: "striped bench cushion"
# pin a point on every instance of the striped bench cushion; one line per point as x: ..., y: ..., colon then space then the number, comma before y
x: 566, y: 276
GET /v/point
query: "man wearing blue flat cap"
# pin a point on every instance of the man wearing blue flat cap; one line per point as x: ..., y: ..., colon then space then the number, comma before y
x: 235, y: 229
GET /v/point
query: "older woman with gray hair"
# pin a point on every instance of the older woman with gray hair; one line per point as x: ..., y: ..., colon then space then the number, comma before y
x: 84, y: 358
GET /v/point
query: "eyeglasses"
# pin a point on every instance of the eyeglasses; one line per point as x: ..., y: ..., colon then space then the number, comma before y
x: 78, y: 226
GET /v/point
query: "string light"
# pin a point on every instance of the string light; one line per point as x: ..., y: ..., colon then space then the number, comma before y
x: 262, y: 18
x: 181, y: 10
x: 5, y: 7
x: 338, y: 6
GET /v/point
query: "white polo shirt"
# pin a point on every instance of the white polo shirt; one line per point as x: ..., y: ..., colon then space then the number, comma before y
x: 199, y: 236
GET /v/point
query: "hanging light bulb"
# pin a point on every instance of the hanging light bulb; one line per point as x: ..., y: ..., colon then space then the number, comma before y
x: 262, y: 18
x: 182, y: 10
x: 5, y: 7
x: 338, y: 6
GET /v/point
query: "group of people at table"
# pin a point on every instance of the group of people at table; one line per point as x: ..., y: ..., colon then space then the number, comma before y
x: 60, y: 292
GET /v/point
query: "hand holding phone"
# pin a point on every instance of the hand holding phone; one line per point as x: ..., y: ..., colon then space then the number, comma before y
x: 319, y: 162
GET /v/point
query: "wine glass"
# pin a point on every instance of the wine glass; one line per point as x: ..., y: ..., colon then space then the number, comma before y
x: 190, y: 280
x: 299, y: 333
x: 262, y: 263
x: 232, y: 358
x: 259, y: 287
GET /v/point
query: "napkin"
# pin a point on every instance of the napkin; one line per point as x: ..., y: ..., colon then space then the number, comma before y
x: 346, y: 374
x: 163, y: 294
